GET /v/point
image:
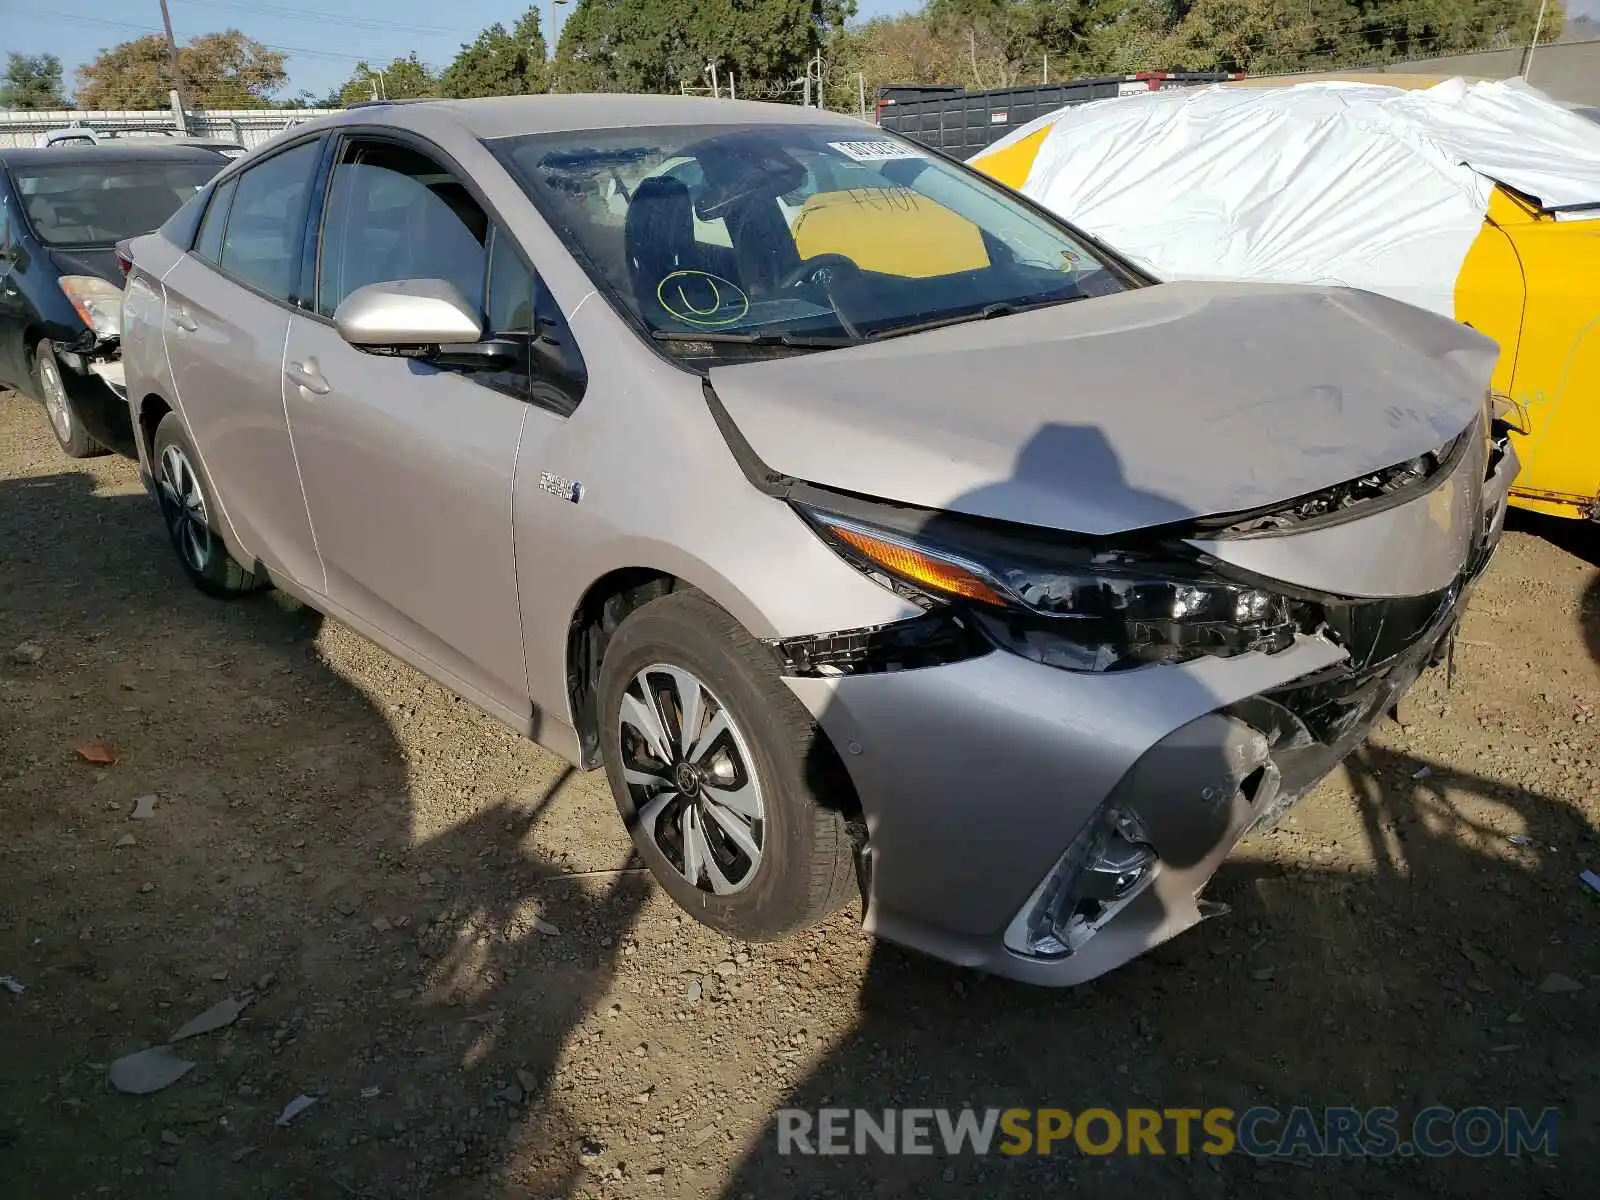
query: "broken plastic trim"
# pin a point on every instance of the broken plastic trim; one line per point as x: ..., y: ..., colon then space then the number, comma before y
x: 1355, y: 498
x: 931, y: 640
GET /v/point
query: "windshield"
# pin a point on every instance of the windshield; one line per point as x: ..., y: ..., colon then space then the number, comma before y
x: 80, y: 204
x: 795, y: 233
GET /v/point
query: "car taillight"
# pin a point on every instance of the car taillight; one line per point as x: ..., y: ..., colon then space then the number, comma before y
x: 125, y: 257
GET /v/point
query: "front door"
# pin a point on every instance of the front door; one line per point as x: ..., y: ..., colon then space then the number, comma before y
x: 408, y: 468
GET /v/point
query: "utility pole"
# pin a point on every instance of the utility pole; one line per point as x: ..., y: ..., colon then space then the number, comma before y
x: 550, y: 41
x: 177, y: 71
x: 1538, y: 26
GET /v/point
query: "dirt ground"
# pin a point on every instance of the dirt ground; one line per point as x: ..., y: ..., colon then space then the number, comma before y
x: 399, y: 887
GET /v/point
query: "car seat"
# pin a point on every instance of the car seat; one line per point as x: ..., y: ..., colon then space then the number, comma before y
x: 658, y: 237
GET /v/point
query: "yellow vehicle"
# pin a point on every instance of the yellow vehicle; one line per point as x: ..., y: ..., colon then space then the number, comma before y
x: 1532, y: 283
x: 1530, y: 280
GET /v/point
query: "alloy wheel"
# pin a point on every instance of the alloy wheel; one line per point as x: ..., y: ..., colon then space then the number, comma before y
x: 689, y: 771
x: 185, y: 508
x: 55, y: 398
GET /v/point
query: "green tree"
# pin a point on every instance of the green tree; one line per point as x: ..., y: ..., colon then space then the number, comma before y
x: 32, y: 81
x: 662, y: 45
x: 220, y: 70
x: 500, y: 63
x: 1267, y: 36
x: 406, y: 78
x: 994, y: 43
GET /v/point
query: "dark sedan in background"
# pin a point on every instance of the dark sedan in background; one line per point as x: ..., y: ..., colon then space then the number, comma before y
x: 62, y: 213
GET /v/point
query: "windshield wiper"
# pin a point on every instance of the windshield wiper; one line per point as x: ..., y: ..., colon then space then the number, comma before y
x: 987, y: 313
x: 799, y: 341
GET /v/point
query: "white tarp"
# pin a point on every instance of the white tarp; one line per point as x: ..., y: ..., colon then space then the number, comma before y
x: 1335, y: 183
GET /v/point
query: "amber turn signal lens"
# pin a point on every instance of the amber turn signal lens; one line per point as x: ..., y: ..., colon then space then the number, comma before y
x: 919, y: 568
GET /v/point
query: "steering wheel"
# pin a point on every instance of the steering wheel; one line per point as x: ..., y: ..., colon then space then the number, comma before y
x: 812, y: 270
x: 825, y: 271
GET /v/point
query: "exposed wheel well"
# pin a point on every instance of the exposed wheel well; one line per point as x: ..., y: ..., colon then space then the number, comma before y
x: 604, y: 606
x: 151, y: 409
x: 31, y: 337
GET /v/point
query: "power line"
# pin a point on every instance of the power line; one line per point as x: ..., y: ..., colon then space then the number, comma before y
x: 56, y: 17
x: 320, y: 17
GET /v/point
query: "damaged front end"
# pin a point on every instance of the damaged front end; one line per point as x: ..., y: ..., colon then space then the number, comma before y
x: 1277, y: 680
x: 91, y: 361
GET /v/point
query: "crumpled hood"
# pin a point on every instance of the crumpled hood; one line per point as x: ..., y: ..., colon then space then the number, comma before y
x: 1101, y: 416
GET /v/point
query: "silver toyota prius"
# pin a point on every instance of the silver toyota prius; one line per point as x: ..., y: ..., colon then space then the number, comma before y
x: 879, y: 534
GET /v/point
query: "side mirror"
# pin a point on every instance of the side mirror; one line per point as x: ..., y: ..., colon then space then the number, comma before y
x: 407, y: 314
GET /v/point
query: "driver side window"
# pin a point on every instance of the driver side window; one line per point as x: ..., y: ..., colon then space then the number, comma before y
x: 393, y: 213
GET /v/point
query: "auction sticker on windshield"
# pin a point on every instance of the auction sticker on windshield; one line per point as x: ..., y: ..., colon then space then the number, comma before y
x: 876, y: 150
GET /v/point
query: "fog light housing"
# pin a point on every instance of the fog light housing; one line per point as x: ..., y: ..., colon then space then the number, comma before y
x: 1107, y: 865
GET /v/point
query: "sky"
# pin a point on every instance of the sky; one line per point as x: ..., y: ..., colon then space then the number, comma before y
x: 324, y: 38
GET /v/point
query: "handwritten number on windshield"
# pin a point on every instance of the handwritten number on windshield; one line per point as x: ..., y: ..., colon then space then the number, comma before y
x: 702, y: 299
x: 885, y: 199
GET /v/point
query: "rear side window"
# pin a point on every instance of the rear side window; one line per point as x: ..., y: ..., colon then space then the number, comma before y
x: 209, y: 244
x: 261, y: 244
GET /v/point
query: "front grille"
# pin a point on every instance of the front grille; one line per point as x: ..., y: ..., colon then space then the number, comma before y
x: 1375, y: 631
x: 1312, y: 723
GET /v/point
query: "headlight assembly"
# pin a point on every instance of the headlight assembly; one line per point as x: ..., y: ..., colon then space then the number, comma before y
x: 98, y: 302
x: 1080, y: 609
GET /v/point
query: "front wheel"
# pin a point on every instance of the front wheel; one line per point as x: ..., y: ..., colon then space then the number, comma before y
x: 65, y: 424
x: 730, y: 792
x: 186, y: 506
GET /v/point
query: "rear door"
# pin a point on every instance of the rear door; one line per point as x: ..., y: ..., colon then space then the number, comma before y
x: 408, y: 468
x: 228, y: 305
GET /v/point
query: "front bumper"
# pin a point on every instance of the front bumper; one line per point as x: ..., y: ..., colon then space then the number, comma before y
x: 99, y: 398
x: 976, y: 777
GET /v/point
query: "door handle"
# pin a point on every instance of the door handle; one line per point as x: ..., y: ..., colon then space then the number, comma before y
x: 307, y: 375
x: 182, y: 319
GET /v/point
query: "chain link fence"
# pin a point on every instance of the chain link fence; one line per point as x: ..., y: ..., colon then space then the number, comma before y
x: 247, y: 126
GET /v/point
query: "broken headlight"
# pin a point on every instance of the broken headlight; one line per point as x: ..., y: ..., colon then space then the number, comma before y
x: 99, y: 303
x: 1077, y: 608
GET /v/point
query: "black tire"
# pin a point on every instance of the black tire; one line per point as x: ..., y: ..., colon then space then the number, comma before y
x: 66, y: 426
x: 200, y: 549
x: 806, y: 867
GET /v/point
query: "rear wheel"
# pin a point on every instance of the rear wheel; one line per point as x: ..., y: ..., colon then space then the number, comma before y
x: 70, y: 434
x: 186, y: 506
x: 729, y: 790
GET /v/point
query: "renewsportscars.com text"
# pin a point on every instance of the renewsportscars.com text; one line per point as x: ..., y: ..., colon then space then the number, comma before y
x: 1260, y: 1132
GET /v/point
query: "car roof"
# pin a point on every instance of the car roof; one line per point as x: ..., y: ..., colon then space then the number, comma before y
x: 74, y: 155
x: 510, y: 116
